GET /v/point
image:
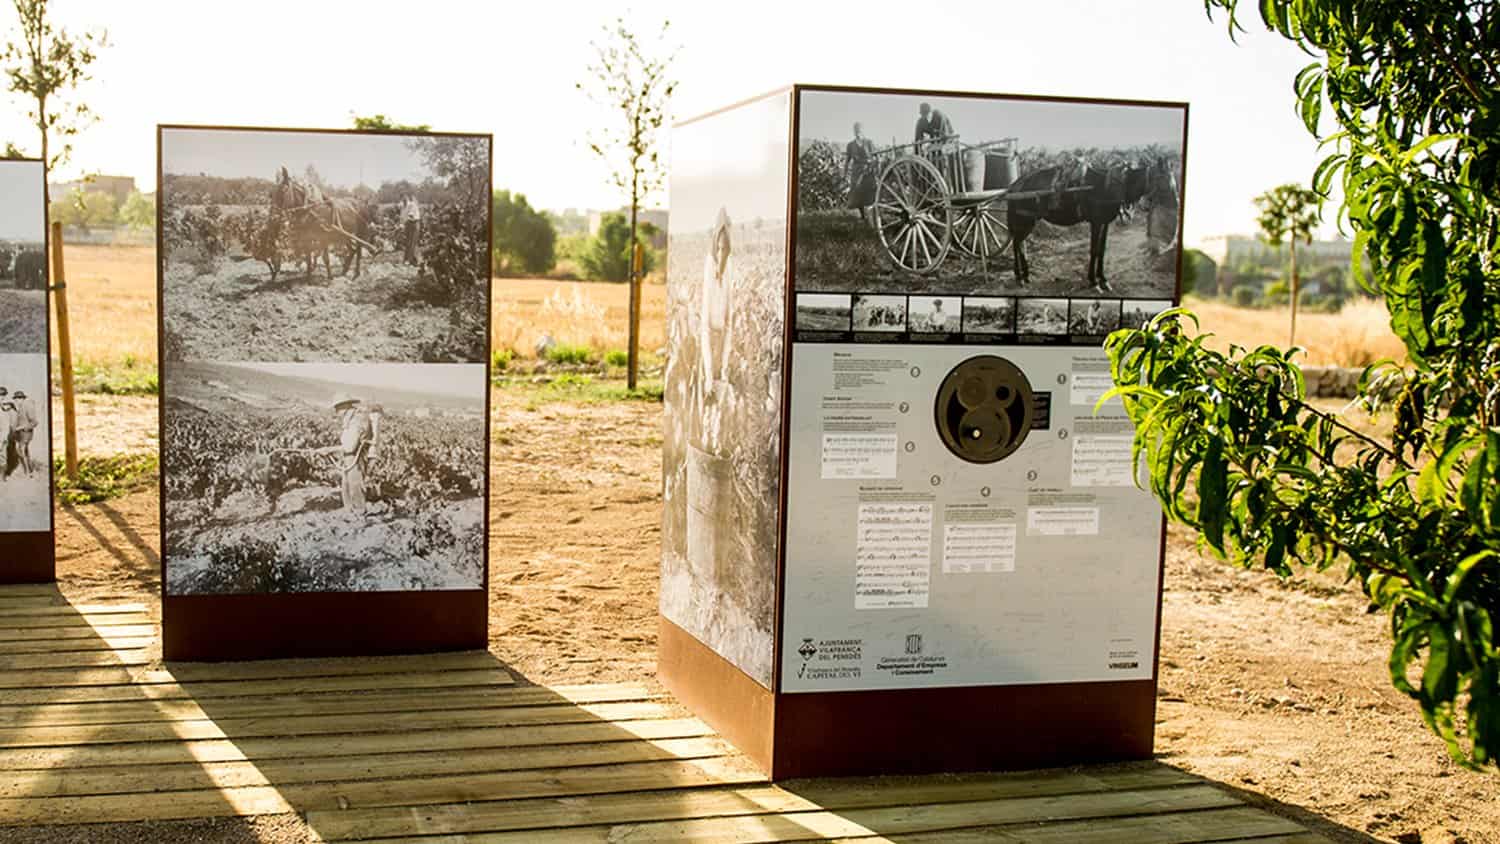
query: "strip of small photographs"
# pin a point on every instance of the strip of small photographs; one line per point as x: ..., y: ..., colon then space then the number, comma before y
x: 968, y: 320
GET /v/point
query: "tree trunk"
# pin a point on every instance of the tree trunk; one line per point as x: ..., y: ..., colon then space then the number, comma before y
x: 1296, y: 290
x: 634, y: 352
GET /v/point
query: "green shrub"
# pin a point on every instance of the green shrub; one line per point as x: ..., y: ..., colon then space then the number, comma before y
x: 564, y: 353
x: 1243, y: 297
x: 500, y: 359
x: 617, y: 357
x: 103, y: 478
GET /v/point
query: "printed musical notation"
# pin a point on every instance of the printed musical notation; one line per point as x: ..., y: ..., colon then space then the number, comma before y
x: 979, y: 547
x: 893, y: 555
x: 1103, y: 461
x: 859, y: 455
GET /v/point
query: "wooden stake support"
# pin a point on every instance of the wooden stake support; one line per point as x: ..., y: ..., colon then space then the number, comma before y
x: 637, y: 261
x: 64, y: 353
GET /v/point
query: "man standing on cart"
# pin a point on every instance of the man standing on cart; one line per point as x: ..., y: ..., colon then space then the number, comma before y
x: 935, y: 127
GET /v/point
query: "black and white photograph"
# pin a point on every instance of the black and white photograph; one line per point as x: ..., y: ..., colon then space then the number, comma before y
x: 1042, y: 316
x: 934, y: 314
x: 880, y: 313
x: 823, y: 312
x: 23, y: 259
x: 1093, y: 317
x: 989, y: 315
x: 1137, y: 312
x: 280, y: 245
x: 726, y: 305
x: 25, y: 445
x: 309, y: 477
x: 904, y: 192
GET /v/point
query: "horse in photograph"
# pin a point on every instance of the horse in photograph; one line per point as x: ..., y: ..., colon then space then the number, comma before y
x: 321, y: 224
x: 31, y: 270
x: 1109, y: 191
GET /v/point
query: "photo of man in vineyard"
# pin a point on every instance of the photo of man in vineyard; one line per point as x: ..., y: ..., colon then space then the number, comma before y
x: 324, y: 477
x: 321, y: 246
x: 25, y: 485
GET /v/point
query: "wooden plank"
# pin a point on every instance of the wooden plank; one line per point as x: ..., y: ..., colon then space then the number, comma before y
x: 78, y: 645
x: 25, y: 589
x: 126, y: 691
x: 66, y: 609
x: 146, y: 779
x: 261, y: 800
x: 819, y: 825
x: 239, y: 728
x: 1292, y: 838
x: 73, y: 621
x: 419, y: 700
x: 38, y: 600
x: 297, y: 747
x: 492, y: 816
x: 1216, y: 825
x: 13, y: 663
x: 261, y: 670
x: 51, y: 634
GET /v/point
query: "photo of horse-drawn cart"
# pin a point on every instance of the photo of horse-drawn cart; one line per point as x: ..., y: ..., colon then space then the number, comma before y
x: 320, y: 246
x: 1057, y: 201
x: 23, y: 259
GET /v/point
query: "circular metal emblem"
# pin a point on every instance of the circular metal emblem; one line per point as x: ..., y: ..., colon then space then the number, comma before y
x: 984, y: 409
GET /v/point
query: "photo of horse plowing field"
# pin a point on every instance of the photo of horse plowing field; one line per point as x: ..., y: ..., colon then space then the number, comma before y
x: 255, y: 502
x: 302, y: 246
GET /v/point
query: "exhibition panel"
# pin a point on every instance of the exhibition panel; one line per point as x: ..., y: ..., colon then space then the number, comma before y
x: 324, y: 308
x: 26, y: 540
x: 961, y: 545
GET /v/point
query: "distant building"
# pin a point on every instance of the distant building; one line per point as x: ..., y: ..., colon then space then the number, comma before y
x: 119, y: 187
x: 1232, y: 250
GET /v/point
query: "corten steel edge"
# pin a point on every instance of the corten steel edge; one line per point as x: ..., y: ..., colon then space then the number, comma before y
x: 213, y: 628
x: 31, y: 556
x: 909, y: 731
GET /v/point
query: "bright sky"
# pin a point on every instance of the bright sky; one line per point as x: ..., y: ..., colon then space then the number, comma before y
x: 21, y: 215
x: 511, y: 69
x: 341, y: 160
x: 443, y: 379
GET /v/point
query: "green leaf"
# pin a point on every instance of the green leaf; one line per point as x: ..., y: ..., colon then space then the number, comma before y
x: 1212, y: 490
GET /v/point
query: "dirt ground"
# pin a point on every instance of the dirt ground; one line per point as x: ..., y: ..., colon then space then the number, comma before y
x: 1278, y: 691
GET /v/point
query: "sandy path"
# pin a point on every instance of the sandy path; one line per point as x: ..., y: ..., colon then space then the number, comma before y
x: 1279, y: 691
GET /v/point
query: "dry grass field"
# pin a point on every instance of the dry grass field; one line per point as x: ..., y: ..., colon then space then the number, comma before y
x: 112, y: 309
x: 112, y: 302
x: 1357, y: 336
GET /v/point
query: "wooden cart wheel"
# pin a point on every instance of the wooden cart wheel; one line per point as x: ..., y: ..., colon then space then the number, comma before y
x: 912, y: 214
x: 979, y: 231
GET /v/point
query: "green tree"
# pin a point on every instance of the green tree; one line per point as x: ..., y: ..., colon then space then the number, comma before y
x: 85, y: 210
x: 139, y: 211
x: 45, y: 65
x: 524, y: 238
x: 1235, y: 450
x: 633, y: 79
x: 1290, y: 212
x: 1199, y: 273
x: 607, y: 257
x: 379, y: 122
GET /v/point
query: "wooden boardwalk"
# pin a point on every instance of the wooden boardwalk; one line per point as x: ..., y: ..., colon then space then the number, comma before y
x: 449, y: 748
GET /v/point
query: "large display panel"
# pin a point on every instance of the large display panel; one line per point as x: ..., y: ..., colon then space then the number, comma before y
x: 722, y: 446
x: 324, y: 305
x: 26, y: 545
x: 966, y: 575
x: 959, y: 514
